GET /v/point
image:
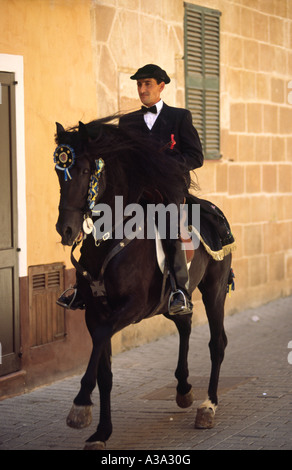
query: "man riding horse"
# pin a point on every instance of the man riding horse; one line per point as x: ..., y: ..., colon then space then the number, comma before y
x: 171, y: 129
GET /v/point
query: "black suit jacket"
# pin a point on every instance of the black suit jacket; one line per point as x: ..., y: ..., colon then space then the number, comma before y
x: 176, y: 121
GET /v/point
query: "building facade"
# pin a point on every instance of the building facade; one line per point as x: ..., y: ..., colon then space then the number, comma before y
x: 230, y: 63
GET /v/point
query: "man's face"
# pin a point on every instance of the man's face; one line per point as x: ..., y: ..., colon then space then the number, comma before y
x: 149, y: 91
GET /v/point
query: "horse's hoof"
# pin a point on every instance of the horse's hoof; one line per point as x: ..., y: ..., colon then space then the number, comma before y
x: 96, y: 445
x: 79, y: 417
x: 205, y: 416
x: 184, y: 401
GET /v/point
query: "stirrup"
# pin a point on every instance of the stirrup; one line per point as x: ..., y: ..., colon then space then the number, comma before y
x: 184, y: 309
x: 63, y: 304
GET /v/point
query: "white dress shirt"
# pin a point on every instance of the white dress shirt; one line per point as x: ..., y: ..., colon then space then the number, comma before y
x: 150, y: 118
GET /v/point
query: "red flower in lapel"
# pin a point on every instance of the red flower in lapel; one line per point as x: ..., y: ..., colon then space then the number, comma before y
x: 170, y: 144
x: 172, y: 141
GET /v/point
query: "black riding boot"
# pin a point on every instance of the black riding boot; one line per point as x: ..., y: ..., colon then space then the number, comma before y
x: 72, y: 301
x: 180, y: 300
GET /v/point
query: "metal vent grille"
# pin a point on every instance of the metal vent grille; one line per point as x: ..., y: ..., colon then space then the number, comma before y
x: 54, y: 279
x: 47, y: 319
x: 38, y: 281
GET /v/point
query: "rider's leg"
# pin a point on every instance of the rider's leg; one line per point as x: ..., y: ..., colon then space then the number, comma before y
x: 180, y: 299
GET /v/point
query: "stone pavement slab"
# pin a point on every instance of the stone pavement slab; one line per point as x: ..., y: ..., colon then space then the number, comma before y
x: 255, y: 394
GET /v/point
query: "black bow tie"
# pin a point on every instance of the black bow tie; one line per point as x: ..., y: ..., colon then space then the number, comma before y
x: 153, y: 109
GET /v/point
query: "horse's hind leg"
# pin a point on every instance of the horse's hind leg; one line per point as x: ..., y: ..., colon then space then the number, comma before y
x: 213, y: 289
x: 184, y: 392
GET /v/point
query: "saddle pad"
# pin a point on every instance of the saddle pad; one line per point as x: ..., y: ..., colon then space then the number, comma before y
x: 215, y: 233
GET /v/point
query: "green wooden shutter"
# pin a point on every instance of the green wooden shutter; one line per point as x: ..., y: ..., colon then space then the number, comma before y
x: 202, y: 71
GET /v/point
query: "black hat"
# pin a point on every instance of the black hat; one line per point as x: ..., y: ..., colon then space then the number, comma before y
x: 151, y: 71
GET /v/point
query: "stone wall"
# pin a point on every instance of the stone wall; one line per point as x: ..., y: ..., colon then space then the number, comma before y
x: 129, y: 34
x: 252, y: 181
x: 256, y: 126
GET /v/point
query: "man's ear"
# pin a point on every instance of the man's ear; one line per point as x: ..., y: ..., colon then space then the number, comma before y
x: 161, y: 85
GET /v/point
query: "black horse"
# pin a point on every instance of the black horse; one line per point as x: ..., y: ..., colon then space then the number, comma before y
x: 119, y: 279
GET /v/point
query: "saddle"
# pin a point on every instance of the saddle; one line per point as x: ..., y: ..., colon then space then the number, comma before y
x: 214, y: 233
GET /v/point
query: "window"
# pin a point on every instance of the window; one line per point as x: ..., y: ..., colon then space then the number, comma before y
x: 202, y: 72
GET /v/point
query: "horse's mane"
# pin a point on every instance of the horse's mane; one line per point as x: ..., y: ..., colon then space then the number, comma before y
x: 128, y: 153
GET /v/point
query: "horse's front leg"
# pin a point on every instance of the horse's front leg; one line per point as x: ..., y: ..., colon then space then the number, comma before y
x: 80, y: 413
x: 104, y: 380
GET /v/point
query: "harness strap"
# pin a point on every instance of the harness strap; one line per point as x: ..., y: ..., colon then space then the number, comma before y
x: 115, y: 250
x: 78, y: 266
x: 97, y: 285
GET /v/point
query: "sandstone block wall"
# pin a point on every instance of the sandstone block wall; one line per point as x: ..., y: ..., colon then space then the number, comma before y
x: 252, y: 181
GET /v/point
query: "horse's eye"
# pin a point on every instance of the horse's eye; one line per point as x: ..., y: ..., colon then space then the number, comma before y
x: 86, y: 171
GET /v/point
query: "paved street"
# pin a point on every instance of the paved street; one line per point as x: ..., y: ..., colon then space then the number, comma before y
x: 254, y: 413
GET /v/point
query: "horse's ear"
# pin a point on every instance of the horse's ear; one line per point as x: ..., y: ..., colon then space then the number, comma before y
x: 60, y: 128
x: 82, y: 131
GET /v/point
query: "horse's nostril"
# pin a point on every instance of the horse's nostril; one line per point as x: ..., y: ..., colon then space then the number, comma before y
x: 68, y: 232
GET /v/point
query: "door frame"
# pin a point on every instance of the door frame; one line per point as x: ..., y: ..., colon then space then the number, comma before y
x: 14, y: 63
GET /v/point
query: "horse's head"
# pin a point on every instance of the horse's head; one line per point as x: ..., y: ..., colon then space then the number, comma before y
x: 75, y: 172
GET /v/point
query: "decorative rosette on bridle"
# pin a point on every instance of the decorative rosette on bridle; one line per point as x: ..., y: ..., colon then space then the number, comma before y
x: 64, y: 157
